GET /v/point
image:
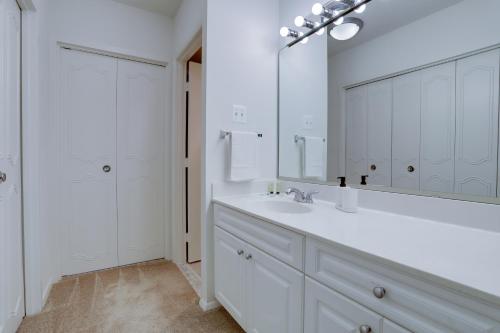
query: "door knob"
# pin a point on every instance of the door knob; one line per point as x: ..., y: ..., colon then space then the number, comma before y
x: 373, y: 167
x: 106, y: 168
x: 365, y: 329
x: 3, y: 177
x: 379, y: 292
x: 411, y: 168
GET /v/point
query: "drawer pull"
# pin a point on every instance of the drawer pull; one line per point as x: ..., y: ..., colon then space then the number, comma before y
x: 365, y: 329
x: 240, y: 252
x: 379, y: 292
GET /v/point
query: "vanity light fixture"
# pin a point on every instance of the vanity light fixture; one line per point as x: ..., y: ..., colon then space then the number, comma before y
x: 347, y: 30
x: 332, y: 11
x: 301, y: 21
x: 361, y: 8
x: 287, y: 32
x: 305, y: 40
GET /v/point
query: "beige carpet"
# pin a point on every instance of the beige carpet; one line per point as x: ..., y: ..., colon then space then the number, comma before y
x: 148, y: 297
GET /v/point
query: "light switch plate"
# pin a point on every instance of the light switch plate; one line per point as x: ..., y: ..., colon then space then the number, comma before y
x: 308, y: 122
x: 239, y: 114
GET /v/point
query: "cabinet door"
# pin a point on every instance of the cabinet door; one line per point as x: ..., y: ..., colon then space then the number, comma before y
x: 437, y: 152
x: 477, y: 124
x: 390, y: 327
x: 230, y: 277
x: 406, y: 132
x: 140, y: 145
x: 379, y: 130
x: 356, y: 150
x: 274, y: 295
x: 327, y: 311
x: 88, y: 111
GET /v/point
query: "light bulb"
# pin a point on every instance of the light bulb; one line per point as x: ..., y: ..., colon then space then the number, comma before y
x: 360, y: 9
x: 299, y: 21
x: 305, y: 40
x: 317, y: 9
x: 339, y: 21
x: 284, y: 32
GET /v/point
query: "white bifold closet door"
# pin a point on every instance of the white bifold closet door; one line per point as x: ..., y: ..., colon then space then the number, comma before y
x: 437, y: 145
x: 112, y: 162
x: 88, y: 107
x: 476, y: 149
x: 11, y: 239
x: 356, y: 136
x: 379, y: 121
x: 406, y: 131
x: 141, y: 105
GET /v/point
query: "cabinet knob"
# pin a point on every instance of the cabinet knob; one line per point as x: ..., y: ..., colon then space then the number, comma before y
x: 240, y: 252
x: 365, y: 329
x: 249, y: 256
x: 106, y: 168
x: 379, y: 292
x: 3, y: 177
x: 411, y: 168
x: 373, y: 167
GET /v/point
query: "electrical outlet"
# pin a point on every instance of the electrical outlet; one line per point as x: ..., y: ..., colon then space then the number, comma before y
x: 307, y: 122
x: 239, y: 114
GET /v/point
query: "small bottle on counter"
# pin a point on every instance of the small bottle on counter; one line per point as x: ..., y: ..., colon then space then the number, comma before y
x: 347, y: 200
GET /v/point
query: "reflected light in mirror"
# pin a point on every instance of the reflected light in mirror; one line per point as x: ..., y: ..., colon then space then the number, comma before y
x: 347, y: 30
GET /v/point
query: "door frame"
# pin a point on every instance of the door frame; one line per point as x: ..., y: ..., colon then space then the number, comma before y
x: 178, y: 194
x: 30, y: 147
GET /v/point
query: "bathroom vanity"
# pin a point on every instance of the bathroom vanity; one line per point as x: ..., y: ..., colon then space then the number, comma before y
x: 282, y: 266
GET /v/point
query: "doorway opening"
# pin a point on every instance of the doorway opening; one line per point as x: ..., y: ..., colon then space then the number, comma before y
x: 193, y: 161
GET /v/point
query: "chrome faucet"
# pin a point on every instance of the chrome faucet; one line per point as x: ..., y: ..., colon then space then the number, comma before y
x: 301, y: 196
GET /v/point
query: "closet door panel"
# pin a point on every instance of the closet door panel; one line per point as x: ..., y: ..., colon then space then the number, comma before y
x: 356, y: 144
x: 477, y: 124
x: 437, y: 147
x: 406, y: 132
x: 88, y: 108
x: 140, y: 119
x: 379, y: 128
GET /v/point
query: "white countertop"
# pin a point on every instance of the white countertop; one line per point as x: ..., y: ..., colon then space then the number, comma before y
x: 466, y: 256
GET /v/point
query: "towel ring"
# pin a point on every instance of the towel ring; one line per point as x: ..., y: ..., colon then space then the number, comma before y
x: 298, y: 138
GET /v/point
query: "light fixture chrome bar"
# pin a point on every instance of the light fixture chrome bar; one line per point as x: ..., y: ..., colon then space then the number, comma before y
x: 327, y: 22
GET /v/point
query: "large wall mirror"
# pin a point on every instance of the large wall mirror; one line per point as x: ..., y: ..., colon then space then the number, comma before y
x: 405, y: 93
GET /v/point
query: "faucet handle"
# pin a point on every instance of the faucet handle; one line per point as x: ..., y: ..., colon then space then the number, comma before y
x: 309, y: 196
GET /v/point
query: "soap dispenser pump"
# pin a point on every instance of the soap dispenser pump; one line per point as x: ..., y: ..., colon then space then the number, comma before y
x: 348, y: 197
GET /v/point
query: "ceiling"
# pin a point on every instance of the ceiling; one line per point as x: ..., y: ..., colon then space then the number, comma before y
x: 165, y: 7
x: 383, y: 16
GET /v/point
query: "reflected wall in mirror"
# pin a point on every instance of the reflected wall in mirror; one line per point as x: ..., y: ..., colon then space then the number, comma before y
x: 411, y: 100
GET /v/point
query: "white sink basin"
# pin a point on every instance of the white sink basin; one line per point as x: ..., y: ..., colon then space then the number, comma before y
x: 286, y: 207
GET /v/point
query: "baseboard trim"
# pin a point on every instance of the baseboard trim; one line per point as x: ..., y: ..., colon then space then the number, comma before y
x: 207, y: 305
x: 48, y: 288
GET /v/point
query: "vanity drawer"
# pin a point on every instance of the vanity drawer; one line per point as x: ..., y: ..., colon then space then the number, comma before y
x: 419, y: 305
x: 328, y: 311
x: 281, y: 243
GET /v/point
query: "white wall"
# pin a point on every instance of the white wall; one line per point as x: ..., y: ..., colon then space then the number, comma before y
x: 240, y: 53
x: 187, y: 23
x: 94, y: 23
x: 450, y: 32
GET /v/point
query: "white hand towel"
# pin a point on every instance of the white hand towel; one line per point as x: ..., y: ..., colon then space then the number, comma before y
x: 243, y: 156
x: 314, y: 162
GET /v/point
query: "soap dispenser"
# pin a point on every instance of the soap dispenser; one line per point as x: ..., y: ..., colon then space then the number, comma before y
x: 348, y: 197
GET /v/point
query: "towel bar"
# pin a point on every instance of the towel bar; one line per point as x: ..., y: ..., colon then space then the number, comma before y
x: 298, y: 138
x: 224, y: 133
